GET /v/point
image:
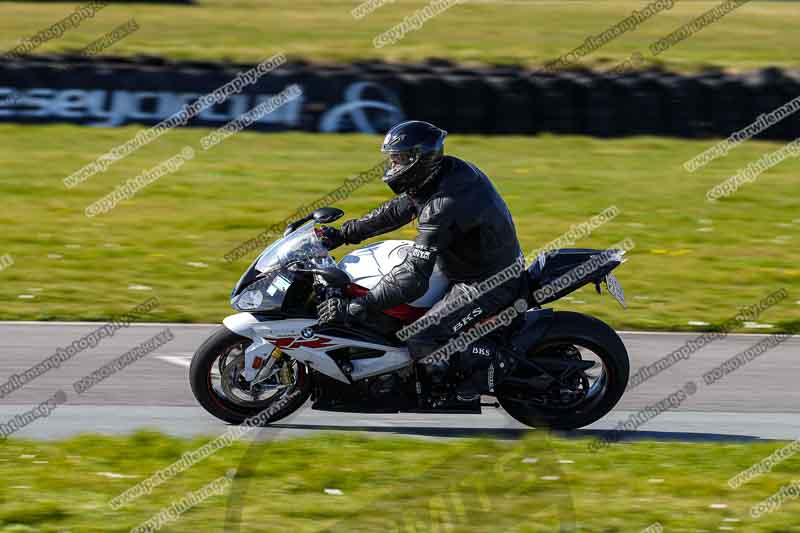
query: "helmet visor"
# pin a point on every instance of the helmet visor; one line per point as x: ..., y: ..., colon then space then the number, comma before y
x: 399, y: 162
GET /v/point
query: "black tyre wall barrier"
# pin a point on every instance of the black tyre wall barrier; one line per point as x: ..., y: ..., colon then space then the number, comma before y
x: 370, y: 96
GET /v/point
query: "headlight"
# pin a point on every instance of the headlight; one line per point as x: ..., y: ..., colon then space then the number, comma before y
x: 250, y: 299
x: 264, y: 294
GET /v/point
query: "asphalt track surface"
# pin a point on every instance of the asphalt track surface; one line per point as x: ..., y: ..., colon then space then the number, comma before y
x: 760, y: 400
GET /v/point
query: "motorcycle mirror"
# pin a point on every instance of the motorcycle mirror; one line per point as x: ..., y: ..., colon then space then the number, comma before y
x: 326, y: 215
x: 323, y: 215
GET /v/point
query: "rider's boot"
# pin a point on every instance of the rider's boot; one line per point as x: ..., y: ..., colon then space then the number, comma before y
x: 439, y: 377
x: 481, y: 367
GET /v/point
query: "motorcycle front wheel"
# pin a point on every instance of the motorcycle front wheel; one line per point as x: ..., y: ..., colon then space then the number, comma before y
x: 215, y: 382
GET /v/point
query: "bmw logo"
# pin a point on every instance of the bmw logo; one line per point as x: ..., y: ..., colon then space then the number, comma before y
x: 307, y: 333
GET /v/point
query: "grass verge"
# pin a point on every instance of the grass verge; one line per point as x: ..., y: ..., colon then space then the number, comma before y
x: 487, y: 31
x: 396, y: 484
x: 694, y: 261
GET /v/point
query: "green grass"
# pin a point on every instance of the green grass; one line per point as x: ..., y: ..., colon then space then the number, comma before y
x: 458, y: 486
x: 528, y: 32
x: 83, y: 267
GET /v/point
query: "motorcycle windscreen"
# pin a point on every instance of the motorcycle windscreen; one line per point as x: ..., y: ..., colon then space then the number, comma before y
x: 302, y: 244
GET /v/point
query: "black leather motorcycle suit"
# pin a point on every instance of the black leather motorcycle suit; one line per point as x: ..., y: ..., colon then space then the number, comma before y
x: 465, y: 227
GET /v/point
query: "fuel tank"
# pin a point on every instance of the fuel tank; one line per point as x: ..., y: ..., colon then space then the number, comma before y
x: 367, y: 265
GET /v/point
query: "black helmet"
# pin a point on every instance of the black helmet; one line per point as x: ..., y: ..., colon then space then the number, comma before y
x: 415, y: 150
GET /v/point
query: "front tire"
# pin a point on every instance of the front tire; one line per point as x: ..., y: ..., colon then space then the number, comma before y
x: 200, y: 379
x: 576, y: 330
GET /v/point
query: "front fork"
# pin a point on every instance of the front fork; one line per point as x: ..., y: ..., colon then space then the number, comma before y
x: 257, y: 356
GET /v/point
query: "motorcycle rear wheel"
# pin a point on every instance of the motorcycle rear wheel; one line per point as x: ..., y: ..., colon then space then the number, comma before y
x: 577, y: 331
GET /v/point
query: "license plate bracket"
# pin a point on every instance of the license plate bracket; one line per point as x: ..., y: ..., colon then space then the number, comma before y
x: 615, y: 289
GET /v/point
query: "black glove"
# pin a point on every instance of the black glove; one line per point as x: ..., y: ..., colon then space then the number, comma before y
x: 341, y: 310
x: 331, y: 237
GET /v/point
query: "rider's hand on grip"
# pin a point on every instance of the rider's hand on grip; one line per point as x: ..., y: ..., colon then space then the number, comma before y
x: 331, y: 237
x: 341, y: 310
x: 333, y: 310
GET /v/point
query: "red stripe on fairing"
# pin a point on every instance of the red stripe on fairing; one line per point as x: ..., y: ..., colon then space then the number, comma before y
x: 289, y: 343
x: 406, y: 313
x: 280, y: 342
x: 321, y: 342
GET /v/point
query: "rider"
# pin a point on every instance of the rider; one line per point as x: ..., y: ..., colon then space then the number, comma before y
x: 464, y: 226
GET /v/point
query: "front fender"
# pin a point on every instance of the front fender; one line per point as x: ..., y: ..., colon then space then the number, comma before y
x: 241, y: 324
x: 244, y: 324
x: 250, y: 326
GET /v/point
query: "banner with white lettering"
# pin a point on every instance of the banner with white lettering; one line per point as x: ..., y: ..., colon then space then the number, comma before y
x: 369, y: 97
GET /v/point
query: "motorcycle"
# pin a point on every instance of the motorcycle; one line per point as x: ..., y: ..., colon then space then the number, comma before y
x: 569, y: 369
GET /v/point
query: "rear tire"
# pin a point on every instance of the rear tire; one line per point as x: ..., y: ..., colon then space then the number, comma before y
x: 200, y: 380
x: 589, y: 332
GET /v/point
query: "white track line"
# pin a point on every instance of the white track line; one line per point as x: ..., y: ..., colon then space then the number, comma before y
x: 180, y: 360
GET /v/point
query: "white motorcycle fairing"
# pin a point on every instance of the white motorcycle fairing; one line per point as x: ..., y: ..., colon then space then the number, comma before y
x: 365, y: 267
x: 295, y: 337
